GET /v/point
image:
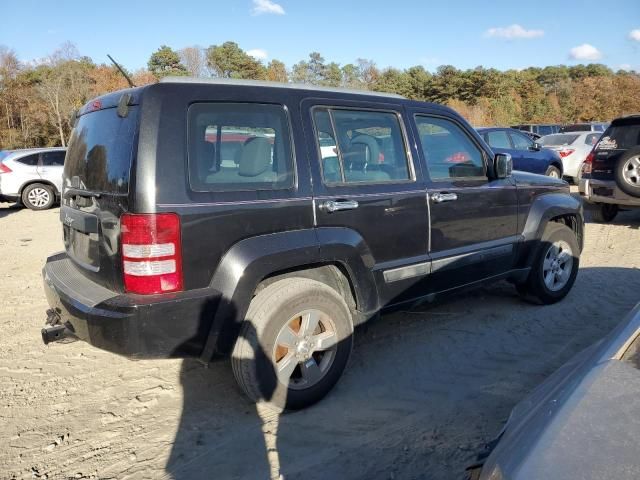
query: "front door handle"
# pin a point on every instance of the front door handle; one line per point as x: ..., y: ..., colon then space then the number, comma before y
x: 335, y: 205
x: 443, y: 197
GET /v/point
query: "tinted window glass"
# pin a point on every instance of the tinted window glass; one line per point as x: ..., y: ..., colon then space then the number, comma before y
x: 447, y: 149
x: 620, y: 136
x: 100, y: 151
x: 239, y: 146
x: 53, y: 159
x: 360, y: 146
x: 558, y: 139
x: 31, y: 160
x: 520, y: 142
x: 497, y: 139
x: 544, y: 129
x: 592, y: 138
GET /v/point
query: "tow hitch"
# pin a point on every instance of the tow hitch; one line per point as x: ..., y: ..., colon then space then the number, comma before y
x: 54, y: 331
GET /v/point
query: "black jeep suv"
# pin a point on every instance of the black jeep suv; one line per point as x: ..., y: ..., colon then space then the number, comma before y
x: 610, y: 175
x: 264, y: 222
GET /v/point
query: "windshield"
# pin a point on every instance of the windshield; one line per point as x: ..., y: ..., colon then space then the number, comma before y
x: 559, y: 139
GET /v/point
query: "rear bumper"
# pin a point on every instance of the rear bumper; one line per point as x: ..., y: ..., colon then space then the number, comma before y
x: 137, y: 326
x: 605, y: 191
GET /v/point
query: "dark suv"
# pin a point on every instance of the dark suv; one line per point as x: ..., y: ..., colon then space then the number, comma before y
x: 610, y: 175
x: 265, y: 221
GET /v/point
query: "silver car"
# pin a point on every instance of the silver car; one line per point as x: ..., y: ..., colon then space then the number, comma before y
x: 573, y: 149
x: 31, y: 176
x: 583, y: 422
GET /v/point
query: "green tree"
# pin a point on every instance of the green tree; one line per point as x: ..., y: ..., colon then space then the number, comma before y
x: 277, y: 71
x: 230, y: 61
x: 165, y: 61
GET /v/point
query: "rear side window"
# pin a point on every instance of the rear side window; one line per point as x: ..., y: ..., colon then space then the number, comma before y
x: 592, y: 138
x: 239, y: 146
x: 31, y: 160
x: 53, y: 159
x: 448, y: 150
x: 498, y: 139
x: 360, y: 146
x: 100, y: 151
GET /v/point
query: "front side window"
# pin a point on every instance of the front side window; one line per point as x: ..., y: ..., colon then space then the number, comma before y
x: 358, y: 146
x: 53, y: 159
x: 520, y: 142
x: 497, y: 139
x: 239, y: 146
x: 448, y: 150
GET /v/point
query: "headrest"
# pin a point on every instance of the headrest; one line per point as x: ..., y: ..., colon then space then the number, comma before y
x: 255, y: 158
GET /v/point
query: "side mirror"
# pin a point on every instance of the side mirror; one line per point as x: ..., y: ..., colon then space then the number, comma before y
x: 536, y: 147
x: 503, y: 165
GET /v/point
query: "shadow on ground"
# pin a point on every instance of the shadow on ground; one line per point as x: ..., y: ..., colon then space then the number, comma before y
x: 425, y: 390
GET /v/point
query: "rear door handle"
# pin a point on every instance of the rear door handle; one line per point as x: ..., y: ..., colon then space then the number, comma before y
x: 443, y: 197
x: 335, y: 205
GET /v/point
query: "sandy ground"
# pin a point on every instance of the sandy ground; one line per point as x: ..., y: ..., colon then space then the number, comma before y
x: 424, y: 391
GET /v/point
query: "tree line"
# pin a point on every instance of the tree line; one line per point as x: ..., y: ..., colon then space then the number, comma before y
x: 38, y: 99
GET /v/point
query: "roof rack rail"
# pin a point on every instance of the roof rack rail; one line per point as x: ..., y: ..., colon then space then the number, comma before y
x: 264, y: 83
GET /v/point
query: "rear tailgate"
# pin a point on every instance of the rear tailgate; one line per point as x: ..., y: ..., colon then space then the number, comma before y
x: 96, y: 190
x: 622, y: 135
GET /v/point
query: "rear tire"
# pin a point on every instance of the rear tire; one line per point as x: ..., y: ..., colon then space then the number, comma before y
x: 553, y: 172
x: 627, y: 172
x: 294, y: 344
x: 38, y: 196
x: 555, y: 266
x: 604, y: 212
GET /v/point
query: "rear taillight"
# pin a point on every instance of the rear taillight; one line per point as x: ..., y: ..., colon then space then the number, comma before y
x: 151, y: 253
x: 588, y: 163
x: 4, y: 168
x: 566, y: 153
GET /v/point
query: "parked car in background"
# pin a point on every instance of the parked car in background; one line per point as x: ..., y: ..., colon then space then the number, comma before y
x: 573, y: 149
x: 610, y: 176
x: 585, y: 127
x: 32, y: 176
x: 581, y: 422
x: 538, y: 129
x: 273, y: 261
x: 527, y: 155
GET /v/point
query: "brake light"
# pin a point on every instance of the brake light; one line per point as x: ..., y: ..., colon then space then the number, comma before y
x: 588, y: 163
x: 151, y: 253
x: 4, y: 168
x: 565, y: 153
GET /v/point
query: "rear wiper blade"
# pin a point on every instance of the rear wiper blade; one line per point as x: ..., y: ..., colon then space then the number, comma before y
x: 78, y: 192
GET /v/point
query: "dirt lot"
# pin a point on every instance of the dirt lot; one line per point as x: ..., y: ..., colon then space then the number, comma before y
x: 424, y: 391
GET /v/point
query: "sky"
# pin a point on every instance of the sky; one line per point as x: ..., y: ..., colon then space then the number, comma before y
x: 397, y: 33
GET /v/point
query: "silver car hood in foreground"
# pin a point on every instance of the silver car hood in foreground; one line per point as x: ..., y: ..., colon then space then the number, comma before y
x: 583, y: 422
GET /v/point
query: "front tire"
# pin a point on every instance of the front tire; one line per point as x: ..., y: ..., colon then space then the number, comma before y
x: 38, y: 196
x: 294, y: 344
x: 555, y: 266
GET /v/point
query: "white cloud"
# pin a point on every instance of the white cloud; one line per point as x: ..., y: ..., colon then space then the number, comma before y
x: 513, y: 31
x: 625, y: 66
x: 635, y: 35
x: 585, y: 52
x: 258, y: 53
x: 266, y: 7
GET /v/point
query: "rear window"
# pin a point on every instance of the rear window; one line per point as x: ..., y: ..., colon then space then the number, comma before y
x: 4, y: 154
x: 620, y: 137
x: 239, y: 146
x: 544, y: 130
x: 100, y: 151
x: 558, y: 139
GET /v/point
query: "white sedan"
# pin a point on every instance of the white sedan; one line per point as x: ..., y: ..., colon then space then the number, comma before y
x: 573, y: 148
